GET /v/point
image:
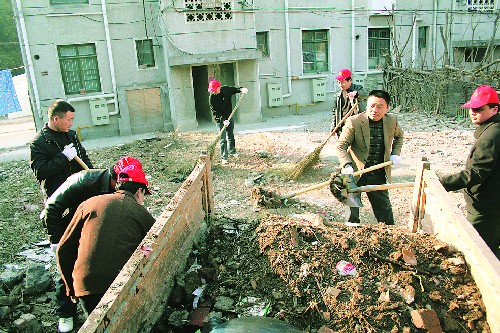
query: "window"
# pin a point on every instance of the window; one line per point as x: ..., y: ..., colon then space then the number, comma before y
x: 68, y: 2
x: 79, y: 69
x: 315, y: 51
x: 481, y: 5
x: 208, y: 10
x: 422, y: 37
x: 262, y: 42
x: 378, y: 47
x: 145, y: 53
x: 474, y: 54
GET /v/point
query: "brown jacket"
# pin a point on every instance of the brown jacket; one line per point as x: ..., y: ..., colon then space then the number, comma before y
x: 101, y: 237
x: 354, y: 142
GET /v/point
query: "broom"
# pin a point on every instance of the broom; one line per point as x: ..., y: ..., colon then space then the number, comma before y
x: 313, y: 158
x: 211, y: 146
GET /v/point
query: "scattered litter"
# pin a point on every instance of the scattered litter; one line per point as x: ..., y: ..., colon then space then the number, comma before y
x: 41, y: 254
x: 253, y: 306
x: 345, y: 268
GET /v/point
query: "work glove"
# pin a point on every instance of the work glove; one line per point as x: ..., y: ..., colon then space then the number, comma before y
x: 53, y: 248
x: 226, y: 122
x: 347, y: 170
x: 352, y: 94
x: 244, y: 90
x: 396, y: 159
x: 69, y: 151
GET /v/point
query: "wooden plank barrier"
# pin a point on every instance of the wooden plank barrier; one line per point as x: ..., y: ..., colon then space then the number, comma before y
x: 137, y: 297
x: 434, y: 211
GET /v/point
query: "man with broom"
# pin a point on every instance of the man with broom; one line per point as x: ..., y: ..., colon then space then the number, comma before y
x: 344, y: 99
x: 221, y: 107
x: 368, y: 139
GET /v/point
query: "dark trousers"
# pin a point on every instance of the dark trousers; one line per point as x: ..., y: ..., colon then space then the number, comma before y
x: 65, y: 307
x: 488, y: 228
x: 89, y: 302
x: 227, y: 137
x: 381, y: 204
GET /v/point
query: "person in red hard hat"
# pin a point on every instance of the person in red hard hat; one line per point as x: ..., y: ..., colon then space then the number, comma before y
x: 101, y: 237
x: 345, y: 99
x: 480, y: 179
x: 67, y: 197
x: 221, y: 107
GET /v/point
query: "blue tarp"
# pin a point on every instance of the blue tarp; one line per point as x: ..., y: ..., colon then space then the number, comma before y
x: 8, y: 97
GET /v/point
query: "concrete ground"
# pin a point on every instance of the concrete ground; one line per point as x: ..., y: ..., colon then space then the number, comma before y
x: 15, y: 134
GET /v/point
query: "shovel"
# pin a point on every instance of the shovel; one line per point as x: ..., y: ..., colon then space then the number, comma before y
x: 357, y: 173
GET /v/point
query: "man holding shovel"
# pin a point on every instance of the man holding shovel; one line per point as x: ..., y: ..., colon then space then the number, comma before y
x: 368, y: 139
x: 221, y: 107
x: 481, y: 177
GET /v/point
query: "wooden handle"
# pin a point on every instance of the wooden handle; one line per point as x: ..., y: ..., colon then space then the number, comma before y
x: 374, y: 167
x: 371, y: 188
x: 82, y: 163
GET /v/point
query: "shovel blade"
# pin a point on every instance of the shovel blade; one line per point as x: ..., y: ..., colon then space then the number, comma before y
x: 354, y: 200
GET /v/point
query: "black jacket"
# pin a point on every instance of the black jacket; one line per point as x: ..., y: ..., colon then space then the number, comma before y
x: 75, y: 190
x: 339, y: 106
x: 221, y: 105
x: 481, y: 177
x: 47, y: 161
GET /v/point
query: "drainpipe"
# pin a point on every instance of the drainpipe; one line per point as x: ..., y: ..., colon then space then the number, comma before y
x: 353, y: 38
x: 434, y: 33
x: 288, y: 62
x: 414, y: 41
x: 26, y: 45
x: 110, y: 55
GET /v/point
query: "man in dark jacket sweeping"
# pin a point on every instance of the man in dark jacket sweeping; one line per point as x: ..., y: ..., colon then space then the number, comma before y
x: 481, y: 177
x: 101, y: 237
x: 54, y: 148
x: 221, y: 107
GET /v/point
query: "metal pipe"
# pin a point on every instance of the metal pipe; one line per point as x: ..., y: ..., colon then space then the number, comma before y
x: 288, y: 61
x: 110, y: 53
x: 26, y: 45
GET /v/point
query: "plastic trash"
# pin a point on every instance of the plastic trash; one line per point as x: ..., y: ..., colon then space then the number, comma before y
x: 345, y: 268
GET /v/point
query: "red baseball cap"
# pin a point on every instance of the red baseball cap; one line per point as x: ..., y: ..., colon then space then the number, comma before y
x: 482, y: 96
x: 343, y: 74
x: 133, y: 173
x: 125, y: 162
x: 213, y: 85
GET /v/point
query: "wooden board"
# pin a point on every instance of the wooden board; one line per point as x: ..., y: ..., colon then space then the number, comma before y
x: 444, y: 220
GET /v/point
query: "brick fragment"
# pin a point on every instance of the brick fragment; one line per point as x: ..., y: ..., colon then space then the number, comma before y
x: 426, y: 319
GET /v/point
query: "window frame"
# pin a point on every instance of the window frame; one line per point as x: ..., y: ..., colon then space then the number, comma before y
x: 379, y: 50
x: 315, y: 43
x: 137, y: 53
x: 265, y: 47
x: 81, y: 73
x: 68, y: 2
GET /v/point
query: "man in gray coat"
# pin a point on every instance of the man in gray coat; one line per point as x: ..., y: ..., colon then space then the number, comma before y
x: 371, y: 138
x: 481, y: 177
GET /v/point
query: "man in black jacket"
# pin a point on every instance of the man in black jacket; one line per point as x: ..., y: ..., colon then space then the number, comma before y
x: 481, y: 177
x: 54, y: 147
x: 59, y: 210
x: 344, y: 100
x: 221, y: 107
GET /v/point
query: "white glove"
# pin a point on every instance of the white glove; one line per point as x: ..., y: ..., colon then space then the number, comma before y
x: 226, y: 122
x: 69, y: 151
x: 352, y: 94
x: 53, y: 247
x: 396, y: 159
x: 348, y: 170
x: 244, y: 90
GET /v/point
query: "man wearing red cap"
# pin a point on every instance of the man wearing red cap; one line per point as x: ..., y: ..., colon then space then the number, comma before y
x: 481, y: 177
x: 221, y: 107
x: 76, y: 189
x: 345, y: 98
x: 101, y: 237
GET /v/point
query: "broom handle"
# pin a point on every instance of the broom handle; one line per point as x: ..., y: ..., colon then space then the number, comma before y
x: 371, y: 188
x: 231, y: 115
x: 342, y: 121
x: 357, y: 173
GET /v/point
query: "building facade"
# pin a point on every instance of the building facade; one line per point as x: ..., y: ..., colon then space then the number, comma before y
x: 144, y: 65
